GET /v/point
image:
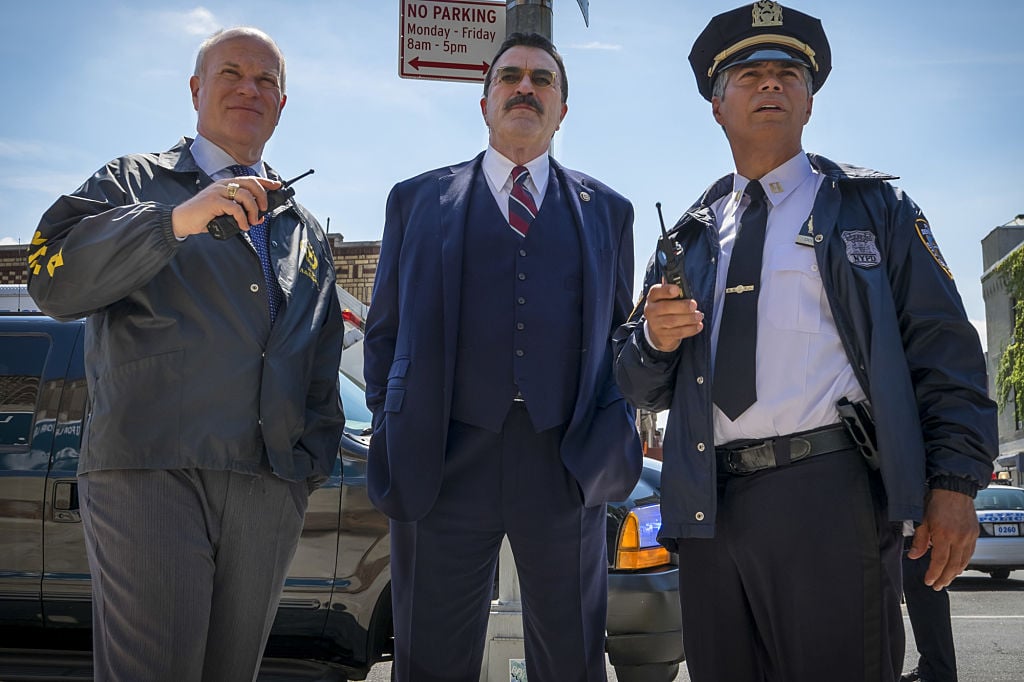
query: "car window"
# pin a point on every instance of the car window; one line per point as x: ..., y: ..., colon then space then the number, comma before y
x: 21, y: 365
x: 357, y: 416
x: 995, y: 498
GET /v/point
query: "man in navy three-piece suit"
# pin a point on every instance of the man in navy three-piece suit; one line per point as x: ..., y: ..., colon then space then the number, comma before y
x: 488, y: 371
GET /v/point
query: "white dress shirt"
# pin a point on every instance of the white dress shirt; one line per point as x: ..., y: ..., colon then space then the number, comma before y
x: 214, y: 161
x: 498, y: 171
x: 802, y: 369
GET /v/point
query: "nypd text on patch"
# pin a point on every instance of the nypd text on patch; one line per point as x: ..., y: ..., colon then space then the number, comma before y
x: 861, y: 248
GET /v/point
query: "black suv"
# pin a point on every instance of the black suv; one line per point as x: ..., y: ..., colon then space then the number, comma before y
x: 336, y: 606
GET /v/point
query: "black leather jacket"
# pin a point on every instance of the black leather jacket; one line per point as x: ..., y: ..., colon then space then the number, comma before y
x: 904, y: 329
x: 184, y: 368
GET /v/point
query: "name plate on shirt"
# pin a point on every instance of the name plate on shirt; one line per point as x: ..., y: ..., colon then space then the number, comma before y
x: 806, y: 234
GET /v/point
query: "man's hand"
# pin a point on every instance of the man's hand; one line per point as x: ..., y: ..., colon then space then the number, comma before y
x: 670, y: 319
x: 950, y: 526
x: 242, y: 197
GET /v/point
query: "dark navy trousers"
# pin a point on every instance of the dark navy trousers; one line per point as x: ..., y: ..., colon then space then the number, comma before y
x: 801, y: 582
x: 929, y: 618
x: 443, y: 566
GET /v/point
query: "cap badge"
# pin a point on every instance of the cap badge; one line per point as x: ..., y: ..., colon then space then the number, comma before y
x: 766, y: 13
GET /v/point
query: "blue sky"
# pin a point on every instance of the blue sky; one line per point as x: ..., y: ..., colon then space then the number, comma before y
x: 929, y: 90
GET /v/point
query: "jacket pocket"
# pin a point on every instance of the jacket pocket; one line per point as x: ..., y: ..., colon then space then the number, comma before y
x: 394, y: 399
x: 399, y: 368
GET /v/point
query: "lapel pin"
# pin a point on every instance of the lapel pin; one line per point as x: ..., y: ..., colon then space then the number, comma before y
x: 584, y: 196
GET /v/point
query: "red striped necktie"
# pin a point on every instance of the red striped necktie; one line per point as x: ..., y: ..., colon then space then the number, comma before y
x: 521, y: 207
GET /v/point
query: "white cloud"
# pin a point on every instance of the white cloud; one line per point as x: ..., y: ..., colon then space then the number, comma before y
x: 194, y: 22
x: 595, y: 45
x: 51, y: 184
x: 19, y: 150
x: 8, y: 241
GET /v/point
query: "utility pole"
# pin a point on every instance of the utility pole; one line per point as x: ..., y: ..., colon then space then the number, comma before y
x: 528, y: 16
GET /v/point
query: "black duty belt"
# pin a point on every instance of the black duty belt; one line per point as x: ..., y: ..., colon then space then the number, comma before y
x: 747, y: 457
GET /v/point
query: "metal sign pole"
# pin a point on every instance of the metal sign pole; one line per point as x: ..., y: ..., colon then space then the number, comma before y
x: 529, y: 16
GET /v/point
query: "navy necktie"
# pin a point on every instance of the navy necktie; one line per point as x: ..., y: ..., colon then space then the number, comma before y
x: 521, y: 207
x: 734, y: 388
x: 259, y: 236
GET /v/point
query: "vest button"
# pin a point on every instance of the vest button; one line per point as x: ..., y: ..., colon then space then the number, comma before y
x: 522, y: 252
x: 520, y: 353
x: 520, y: 326
x: 521, y: 276
x: 520, y: 300
x: 254, y: 287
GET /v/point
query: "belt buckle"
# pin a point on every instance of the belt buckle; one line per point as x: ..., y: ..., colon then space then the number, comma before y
x: 733, y: 459
x: 749, y: 448
x: 730, y: 465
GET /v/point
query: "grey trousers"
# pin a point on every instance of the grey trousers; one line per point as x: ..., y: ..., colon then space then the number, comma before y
x: 187, y: 570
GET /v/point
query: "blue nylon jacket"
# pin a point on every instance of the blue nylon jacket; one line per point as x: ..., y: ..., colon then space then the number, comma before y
x: 902, y: 324
x: 183, y: 366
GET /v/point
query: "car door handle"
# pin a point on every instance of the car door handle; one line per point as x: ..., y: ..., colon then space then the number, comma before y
x: 65, y: 502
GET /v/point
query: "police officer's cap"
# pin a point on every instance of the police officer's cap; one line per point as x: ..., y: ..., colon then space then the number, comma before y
x: 762, y: 31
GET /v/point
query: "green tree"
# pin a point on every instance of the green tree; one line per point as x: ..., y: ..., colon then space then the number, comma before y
x: 1010, y: 375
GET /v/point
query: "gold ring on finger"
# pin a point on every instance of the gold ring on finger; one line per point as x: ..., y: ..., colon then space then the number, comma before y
x: 232, y: 190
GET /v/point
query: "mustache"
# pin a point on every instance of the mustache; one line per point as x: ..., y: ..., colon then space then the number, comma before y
x: 528, y: 100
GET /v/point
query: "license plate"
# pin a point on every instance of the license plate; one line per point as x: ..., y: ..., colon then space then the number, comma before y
x: 1007, y: 529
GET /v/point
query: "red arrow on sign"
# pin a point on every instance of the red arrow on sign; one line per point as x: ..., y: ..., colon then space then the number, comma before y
x: 416, y: 64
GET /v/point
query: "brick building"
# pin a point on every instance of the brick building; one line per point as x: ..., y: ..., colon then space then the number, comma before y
x: 356, y: 263
x: 13, y: 264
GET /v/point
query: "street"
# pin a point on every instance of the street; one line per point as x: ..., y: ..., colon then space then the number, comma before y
x: 988, y: 625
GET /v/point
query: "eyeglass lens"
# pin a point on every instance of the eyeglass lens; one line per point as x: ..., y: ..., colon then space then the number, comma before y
x: 511, y: 75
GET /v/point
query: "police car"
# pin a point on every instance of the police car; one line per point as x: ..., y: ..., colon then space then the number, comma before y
x: 1000, y: 546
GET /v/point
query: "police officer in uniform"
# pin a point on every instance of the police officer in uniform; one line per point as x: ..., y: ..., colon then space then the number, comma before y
x: 819, y: 284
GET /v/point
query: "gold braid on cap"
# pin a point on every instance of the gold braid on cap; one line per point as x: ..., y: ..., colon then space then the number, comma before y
x: 773, y: 38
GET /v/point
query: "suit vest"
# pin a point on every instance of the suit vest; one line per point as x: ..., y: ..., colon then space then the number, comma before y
x: 521, y: 313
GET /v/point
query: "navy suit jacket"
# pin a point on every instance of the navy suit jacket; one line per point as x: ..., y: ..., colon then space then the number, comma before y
x: 411, y: 340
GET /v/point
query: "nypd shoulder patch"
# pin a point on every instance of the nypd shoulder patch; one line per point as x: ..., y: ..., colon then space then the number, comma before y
x: 861, y: 248
x: 924, y: 231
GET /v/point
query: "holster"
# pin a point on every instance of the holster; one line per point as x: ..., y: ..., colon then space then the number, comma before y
x: 861, y: 426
